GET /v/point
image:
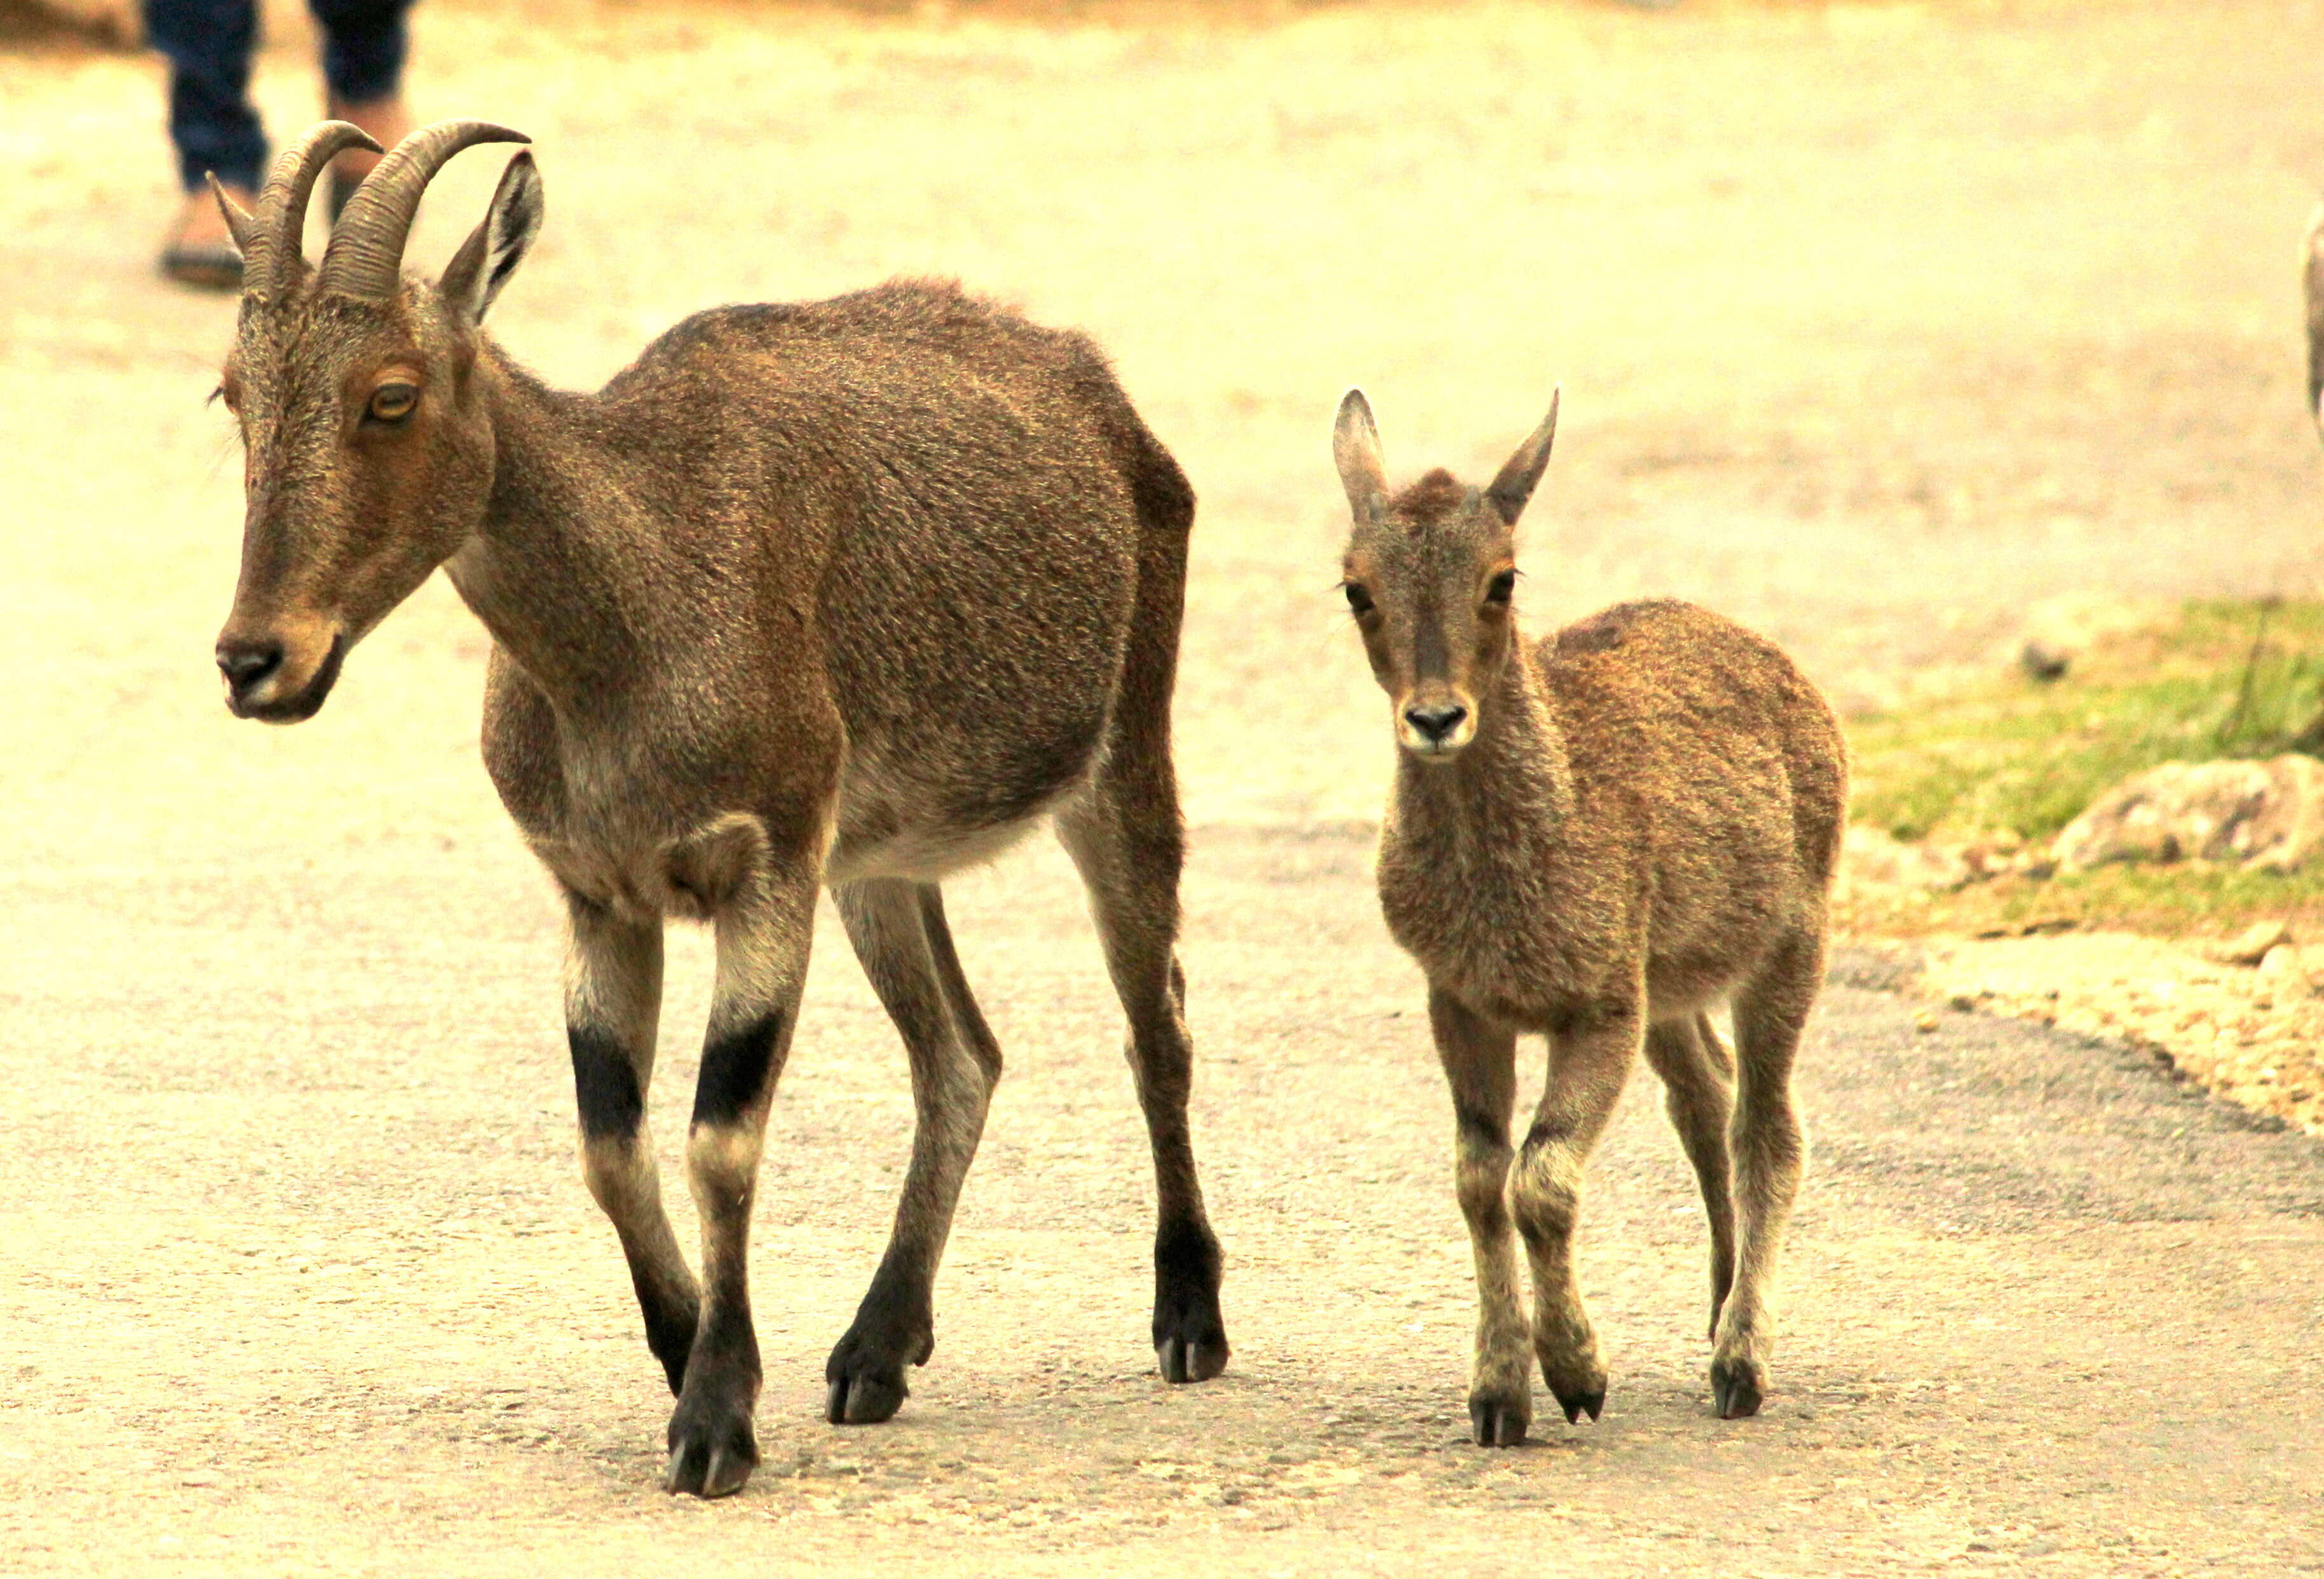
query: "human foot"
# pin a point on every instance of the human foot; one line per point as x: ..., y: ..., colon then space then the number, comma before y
x: 200, y: 251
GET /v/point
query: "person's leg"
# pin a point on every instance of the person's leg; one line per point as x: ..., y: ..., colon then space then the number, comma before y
x: 211, y: 121
x: 212, y: 126
x: 364, y: 44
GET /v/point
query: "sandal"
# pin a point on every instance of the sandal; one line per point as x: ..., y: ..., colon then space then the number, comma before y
x: 197, y: 252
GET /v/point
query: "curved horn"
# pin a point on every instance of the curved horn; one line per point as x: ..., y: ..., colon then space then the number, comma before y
x: 274, y: 253
x: 365, y: 257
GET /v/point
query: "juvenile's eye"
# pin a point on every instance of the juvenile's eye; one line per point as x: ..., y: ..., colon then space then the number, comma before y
x: 1359, y: 600
x: 392, y: 402
x: 1501, y: 588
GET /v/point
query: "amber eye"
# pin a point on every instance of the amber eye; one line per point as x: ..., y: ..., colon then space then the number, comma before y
x: 1501, y: 588
x: 1359, y: 600
x: 392, y: 402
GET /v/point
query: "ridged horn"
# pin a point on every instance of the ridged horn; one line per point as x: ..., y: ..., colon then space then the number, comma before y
x: 274, y: 253
x: 365, y: 257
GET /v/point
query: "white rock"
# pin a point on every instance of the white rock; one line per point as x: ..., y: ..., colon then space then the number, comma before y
x: 2266, y: 815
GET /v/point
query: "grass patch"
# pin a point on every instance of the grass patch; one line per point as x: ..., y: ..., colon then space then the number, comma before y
x: 2184, y: 900
x: 2221, y: 678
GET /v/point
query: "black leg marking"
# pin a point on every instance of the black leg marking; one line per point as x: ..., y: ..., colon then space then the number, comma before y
x: 604, y: 1085
x: 734, y: 1071
x: 670, y: 1318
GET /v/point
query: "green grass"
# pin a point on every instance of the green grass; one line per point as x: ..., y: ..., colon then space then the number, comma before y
x: 2026, y: 757
x: 2220, y: 679
x: 2185, y: 900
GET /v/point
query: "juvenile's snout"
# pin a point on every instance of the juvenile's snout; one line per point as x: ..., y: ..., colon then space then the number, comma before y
x: 1435, y: 726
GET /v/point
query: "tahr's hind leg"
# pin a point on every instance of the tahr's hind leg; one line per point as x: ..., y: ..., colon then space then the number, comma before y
x: 1770, y: 1012
x: 1125, y: 835
x: 1695, y: 1075
x: 899, y: 934
x: 1125, y: 839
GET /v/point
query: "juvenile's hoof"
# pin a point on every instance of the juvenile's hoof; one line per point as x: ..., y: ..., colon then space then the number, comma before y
x: 711, y: 1451
x: 1498, y: 1422
x: 1737, y: 1387
x: 1183, y: 1359
x: 1578, y: 1404
x: 1577, y: 1381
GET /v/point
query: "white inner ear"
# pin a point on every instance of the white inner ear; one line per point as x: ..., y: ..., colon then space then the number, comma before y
x: 508, y: 230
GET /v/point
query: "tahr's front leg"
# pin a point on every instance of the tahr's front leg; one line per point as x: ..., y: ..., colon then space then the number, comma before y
x: 763, y: 932
x: 1588, y: 1064
x: 612, y: 998
x: 1481, y: 1065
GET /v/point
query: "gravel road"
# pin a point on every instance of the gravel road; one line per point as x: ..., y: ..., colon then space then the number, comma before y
x: 1876, y: 325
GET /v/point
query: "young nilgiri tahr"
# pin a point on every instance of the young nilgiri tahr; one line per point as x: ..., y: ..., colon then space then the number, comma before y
x: 849, y: 594
x: 1596, y: 839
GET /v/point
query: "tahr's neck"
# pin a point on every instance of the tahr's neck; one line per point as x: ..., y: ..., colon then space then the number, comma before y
x: 1510, y: 786
x: 561, y: 565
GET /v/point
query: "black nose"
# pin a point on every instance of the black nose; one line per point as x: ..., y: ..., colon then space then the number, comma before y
x: 245, y: 663
x: 1435, y: 723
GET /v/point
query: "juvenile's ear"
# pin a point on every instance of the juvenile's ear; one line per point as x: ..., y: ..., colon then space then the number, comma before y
x: 1356, y: 447
x: 239, y: 224
x: 2314, y: 250
x: 493, y: 249
x: 1521, y: 471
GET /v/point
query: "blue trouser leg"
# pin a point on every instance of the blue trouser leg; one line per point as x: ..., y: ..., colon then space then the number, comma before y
x: 211, y: 121
x: 364, y: 43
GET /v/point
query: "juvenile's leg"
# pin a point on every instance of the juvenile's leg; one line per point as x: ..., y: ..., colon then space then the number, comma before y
x: 1125, y: 838
x: 763, y: 931
x: 1481, y: 1065
x: 613, y: 997
x: 1587, y: 1065
x: 895, y: 927
x: 1770, y: 1012
x: 1696, y: 1096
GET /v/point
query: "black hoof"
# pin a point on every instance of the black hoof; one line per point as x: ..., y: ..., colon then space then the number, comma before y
x: 1190, y: 1337
x: 864, y: 1397
x: 865, y: 1376
x: 712, y: 1450
x: 1578, y: 1404
x: 1735, y: 1390
x: 1196, y: 1359
x: 1498, y: 1422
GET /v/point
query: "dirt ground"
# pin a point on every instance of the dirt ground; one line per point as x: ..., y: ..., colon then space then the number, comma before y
x: 1876, y: 324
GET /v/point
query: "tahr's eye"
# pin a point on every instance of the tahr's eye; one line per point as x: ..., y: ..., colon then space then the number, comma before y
x: 1359, y: 600
x: 1501, y: 588
x: 392, y: 402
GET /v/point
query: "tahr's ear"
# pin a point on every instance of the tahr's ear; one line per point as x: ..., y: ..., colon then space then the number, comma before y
x: 239, y: 224
x: 1356, y: 447
x: 493, y: 249
x: 1521, y: 471
x: 2315, y: 272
